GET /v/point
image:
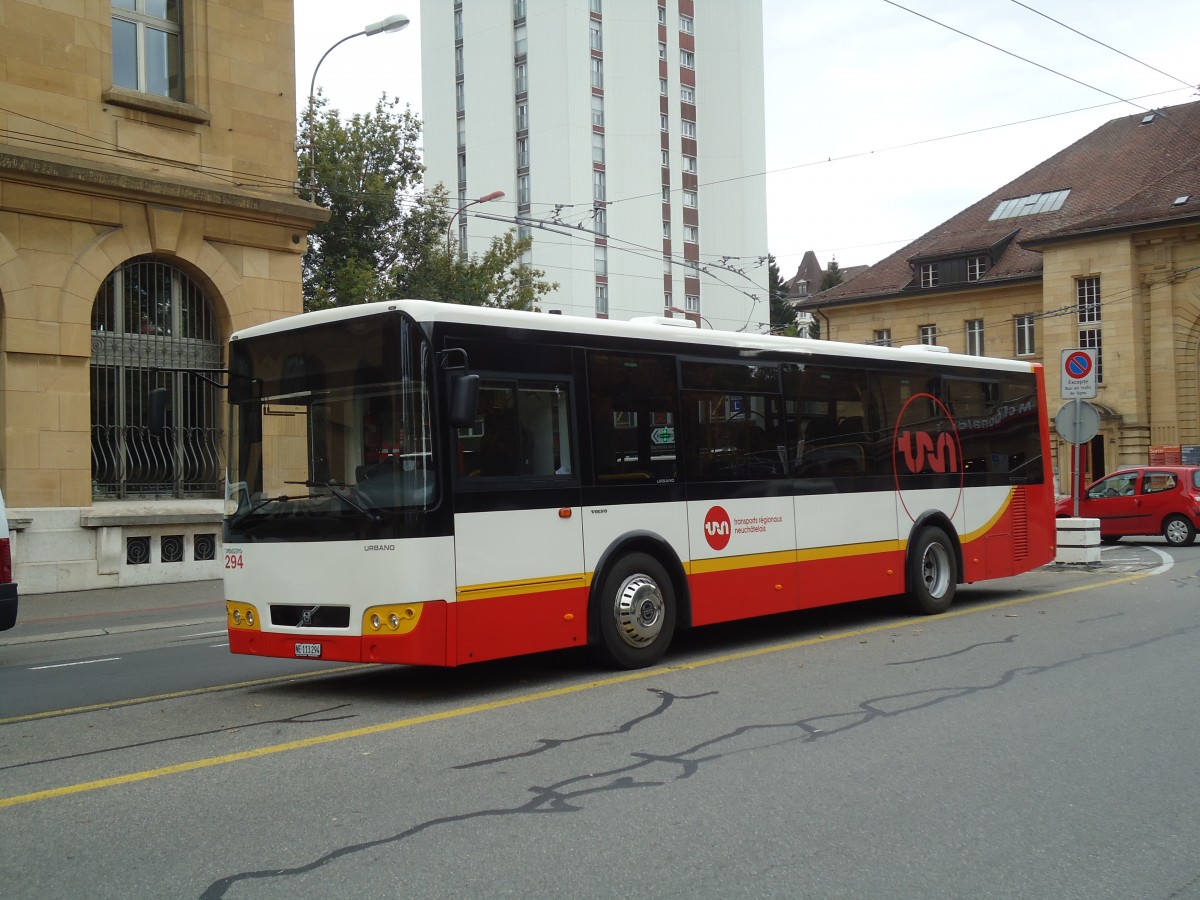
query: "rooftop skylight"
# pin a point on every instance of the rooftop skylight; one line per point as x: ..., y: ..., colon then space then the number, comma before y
x: 1030, y: 205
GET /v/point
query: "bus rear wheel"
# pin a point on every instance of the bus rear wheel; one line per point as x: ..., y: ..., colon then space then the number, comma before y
x: 636, y: 612
x: 932, y: 572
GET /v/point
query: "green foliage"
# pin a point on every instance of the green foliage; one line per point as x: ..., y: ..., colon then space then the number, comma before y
x: 783, y: 314
x: 833, y: 276
x: 384, y: 238
x: 437, y: 271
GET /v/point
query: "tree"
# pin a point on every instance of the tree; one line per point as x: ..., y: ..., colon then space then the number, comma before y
x: 361, y: 171
x: 384, y: 238
x: 783, y: 314
x: 833, y: 276
x: 434, y: 270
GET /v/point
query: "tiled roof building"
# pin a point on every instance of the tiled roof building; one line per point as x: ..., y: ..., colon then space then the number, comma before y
x: 1097, y: 247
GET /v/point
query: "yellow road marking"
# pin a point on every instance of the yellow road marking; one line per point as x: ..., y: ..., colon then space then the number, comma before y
x: 383, y: 727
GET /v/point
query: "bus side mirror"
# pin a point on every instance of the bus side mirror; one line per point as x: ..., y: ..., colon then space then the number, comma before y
x: 158, y: 412
x: 464, y: 400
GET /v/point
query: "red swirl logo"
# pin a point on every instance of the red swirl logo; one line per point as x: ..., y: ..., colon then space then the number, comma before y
x: 717, y: 528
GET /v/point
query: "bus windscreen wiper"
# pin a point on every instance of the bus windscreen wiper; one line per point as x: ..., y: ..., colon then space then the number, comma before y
x: 336, y: 490
x: 241, y: 517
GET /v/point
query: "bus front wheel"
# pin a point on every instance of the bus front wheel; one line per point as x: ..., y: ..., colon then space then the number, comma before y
x: 932, y: 572
x: 637, y: 612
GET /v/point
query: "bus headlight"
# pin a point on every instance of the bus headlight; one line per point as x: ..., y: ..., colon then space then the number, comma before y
x: 241, y: 615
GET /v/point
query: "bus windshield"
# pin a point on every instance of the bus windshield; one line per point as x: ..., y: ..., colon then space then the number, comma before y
x: 331, y: 431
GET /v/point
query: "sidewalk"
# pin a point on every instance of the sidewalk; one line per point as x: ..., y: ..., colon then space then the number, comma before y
x: 53, y: 617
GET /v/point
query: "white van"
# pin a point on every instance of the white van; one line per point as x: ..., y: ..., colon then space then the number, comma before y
x: 8, y: 587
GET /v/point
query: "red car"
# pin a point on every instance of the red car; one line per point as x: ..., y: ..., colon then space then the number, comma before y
x: 1143, y: 500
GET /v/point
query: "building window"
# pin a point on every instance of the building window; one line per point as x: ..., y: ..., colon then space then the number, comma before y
x: 689, y: 164
x: 974, y: 330
x: 687, y: 59
x: 685, y: 24
x: 666, y: 193
x: 149, y: 313
x: 1087, y: 301
x: 458, y: 62
x: 662, y: 15
x: 462, y: 168
x: 522, y: 152
x: 601, y: 260
x: 523, y: 190
x: 689, y: 198
x: 666, y: 230
x: 594, y: 6
x: 520, y: 40
x: 928, y: 334
x: 1023, y: 338
x: 518, y: 9
x: 460, y: 98
x: 462, y: 132
x: 458, y: 25
x: 522, y: 117
x: 662, y: 50
x: 597, y: 111
x: 667, y: 302
x: 1087, y: 297
x: 691, y: 234
x: 598, y: 147
x: 599, y: 189
x: 597, y: 36
x: 689, y: 128
x: 883, y: 337
x: 666, y: 158
x: 597, y: 72
x: 662, y: 86
x: 664, y: 121
x: 976, y: 267
x: 602, y: 299
x: 691, y: 302
x: 929, y: 275
x: 146, y: 47
x: 687, y: 93
x: 601, y: 220
x: 521, y: 77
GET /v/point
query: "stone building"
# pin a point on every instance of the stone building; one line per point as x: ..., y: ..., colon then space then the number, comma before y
x: 147, y: 210
x: 1097, y: 247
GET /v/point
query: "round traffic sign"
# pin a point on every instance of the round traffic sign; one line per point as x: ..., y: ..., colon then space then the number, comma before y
x: 1077, y: 422
x: 1078, y: 365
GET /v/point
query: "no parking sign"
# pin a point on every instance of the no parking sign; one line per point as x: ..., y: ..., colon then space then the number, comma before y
x: 1078, y: 374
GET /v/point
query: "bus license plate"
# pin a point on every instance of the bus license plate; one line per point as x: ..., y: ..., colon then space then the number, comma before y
x: 312, y: 651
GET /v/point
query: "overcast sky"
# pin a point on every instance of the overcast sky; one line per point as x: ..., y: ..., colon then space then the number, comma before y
x: 880, y: 123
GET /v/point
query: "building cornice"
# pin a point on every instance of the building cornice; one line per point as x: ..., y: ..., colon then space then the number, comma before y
x: 815, y: 303
x: 52, y: 171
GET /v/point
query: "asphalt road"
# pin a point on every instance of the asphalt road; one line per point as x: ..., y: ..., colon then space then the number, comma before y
x: 1037, y: 741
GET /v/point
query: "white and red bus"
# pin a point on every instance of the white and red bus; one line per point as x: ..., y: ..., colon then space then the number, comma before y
x: 425, y: 483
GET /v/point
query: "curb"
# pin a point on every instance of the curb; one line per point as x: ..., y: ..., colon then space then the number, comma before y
x: 101, y: 632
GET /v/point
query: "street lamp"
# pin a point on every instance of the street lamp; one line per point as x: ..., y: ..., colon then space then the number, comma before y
x: 383, y: 26
x: 494, y: 195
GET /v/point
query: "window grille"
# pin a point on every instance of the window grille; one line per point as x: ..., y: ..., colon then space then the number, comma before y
x: 150, y: 314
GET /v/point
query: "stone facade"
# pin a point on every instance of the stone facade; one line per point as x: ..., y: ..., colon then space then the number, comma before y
x: 1130, y: 220
x: 92, y: 176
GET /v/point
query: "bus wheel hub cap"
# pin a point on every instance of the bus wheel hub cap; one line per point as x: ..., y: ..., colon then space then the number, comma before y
x: 639, y: 611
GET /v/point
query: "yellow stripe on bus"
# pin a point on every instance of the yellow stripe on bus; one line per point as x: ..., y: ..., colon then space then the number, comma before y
x: 510, y: 588
x: 987, y: 526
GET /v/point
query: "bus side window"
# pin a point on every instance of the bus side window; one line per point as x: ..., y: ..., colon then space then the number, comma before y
x: 834, y: 436
x: 634, y: 399
x: 523, y: 429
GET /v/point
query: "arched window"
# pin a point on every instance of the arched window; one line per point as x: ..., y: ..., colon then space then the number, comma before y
x: 149, y: 313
